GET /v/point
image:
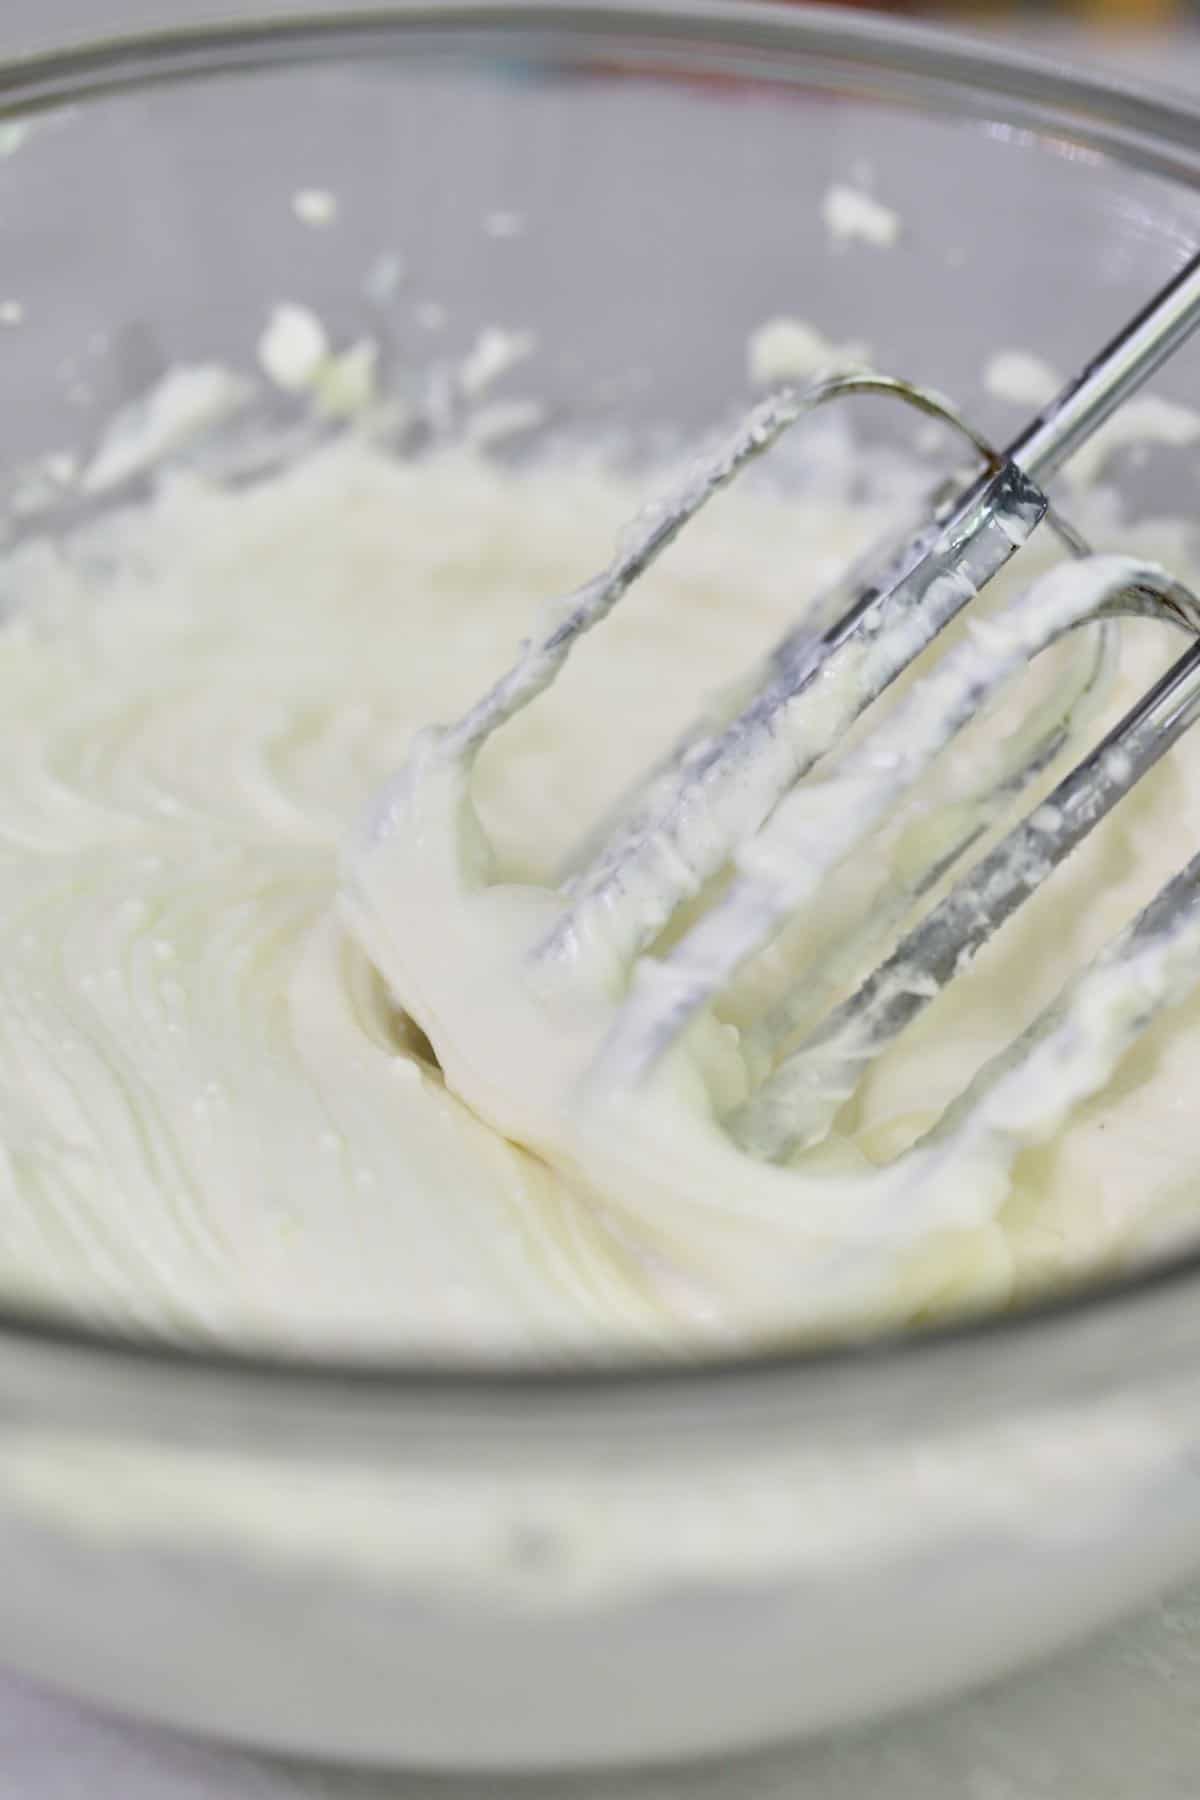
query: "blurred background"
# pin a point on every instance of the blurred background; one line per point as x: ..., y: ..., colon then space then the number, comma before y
x: 98, y: 16
x: 1155, y: 39
x: 1132, y: 12
x: 1149, y: 32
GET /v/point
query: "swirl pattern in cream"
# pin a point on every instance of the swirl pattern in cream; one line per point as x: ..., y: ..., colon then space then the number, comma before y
x: 213, y: 1122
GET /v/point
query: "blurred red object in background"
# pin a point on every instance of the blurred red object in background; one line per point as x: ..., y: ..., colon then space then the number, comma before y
x: 1094, y: 12
x: 1119, y: 15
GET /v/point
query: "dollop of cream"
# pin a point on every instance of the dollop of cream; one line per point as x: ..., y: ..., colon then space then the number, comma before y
x: 853, y: 215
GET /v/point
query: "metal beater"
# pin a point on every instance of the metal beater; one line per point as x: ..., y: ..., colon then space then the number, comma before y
x: 732, y: 799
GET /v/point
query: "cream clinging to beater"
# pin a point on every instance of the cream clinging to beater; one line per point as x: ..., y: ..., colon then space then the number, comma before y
x: 602, y: 1026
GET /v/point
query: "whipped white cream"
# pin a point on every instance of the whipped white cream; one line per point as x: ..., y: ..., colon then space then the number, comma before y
x: 217, y: 1119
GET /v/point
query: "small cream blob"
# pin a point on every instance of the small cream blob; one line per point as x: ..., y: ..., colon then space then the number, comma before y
x: 315, y: 207
x: 493, y: 354
x: 187, y: 403
x: 789, y: 349
x: 1022, y: 379
x: 293, y: 347
x: 854, y: 216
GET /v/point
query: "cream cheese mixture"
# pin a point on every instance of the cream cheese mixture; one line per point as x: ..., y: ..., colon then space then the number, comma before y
x: 220, y: 1119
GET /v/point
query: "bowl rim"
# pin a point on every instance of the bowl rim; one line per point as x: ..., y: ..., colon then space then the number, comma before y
x: 61, y: 1368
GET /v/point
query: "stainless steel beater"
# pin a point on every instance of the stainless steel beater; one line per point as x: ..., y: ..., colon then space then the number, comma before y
x: 732, y: 800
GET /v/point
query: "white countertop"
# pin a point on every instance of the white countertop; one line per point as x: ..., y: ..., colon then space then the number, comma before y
x: 1118, y: 1718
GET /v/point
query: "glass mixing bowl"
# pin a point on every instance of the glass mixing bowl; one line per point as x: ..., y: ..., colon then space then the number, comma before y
x: 523, y: 1568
